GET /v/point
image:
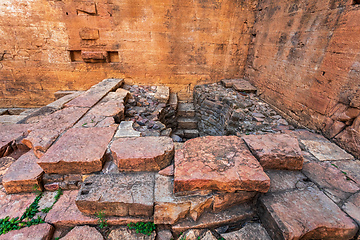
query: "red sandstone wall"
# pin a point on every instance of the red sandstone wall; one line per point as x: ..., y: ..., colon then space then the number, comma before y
x: 180, y: 43
x: 305, y: 59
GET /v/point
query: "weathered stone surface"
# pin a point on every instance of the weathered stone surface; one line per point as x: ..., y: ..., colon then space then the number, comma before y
x: 218, y: 163
x: 126, y: 130
x: 143, y: 154
x: 89, y: 33
x: 11, y: 119
x: 162, y: 94
x: 5, y: 163
x: 59, y: 104
x: 66, y: 213
x: 349, y: 138
x: 276, y: 151
x: 306, y: 214
x: 192, y: 234
x: 186, y: 110
x: 222, y: 201
x: 61, y: 93
x: 123, y: 194
x: 168, y: 171
x: 326, y: 151
x: 282, y: 180
x: 47, y: 130
x: 83, y: 232
x: 241, y: 85
x: 335, y: 183
x: 208, y: 236
x: 173, y: 100
x: 11, y: 133
x: 42, y: 231
x: 125, y: 233
x: 352, y: 207
x: 78, y: 151
x: 14, y: 205
x: 23, y: 175
x: 351, y: 168
x: 164, y: 235
x: 36, y: 116
x: 213, y: 220
x: 187, y: 123
x: 95, y: 93
x: 123, y: 95
x: 253, y: 231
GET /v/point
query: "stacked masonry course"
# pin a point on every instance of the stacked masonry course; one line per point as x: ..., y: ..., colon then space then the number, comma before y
x: 281, y: 183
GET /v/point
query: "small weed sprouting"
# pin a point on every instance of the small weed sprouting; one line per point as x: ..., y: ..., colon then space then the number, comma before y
x: 46, y: 210
x: 101, y: 221
x: 141, y: 227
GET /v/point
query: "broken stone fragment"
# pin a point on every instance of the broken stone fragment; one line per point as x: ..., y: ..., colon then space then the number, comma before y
x: 83, y: 232
x: 10, y: 133
x: 24, y: 175
x: 276, y: 151
x: 126, y: 130
x: 143, y: 153
x: 304, y: 214
x: 5, y: 163
x: 79, y: 150
x: 123, y: 194
x: 162, y: 94
x: 218, y: 163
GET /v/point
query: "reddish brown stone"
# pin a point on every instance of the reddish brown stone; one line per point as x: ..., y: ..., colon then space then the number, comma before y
x: 42, y: 231
x: 222, y: 201
x: 242, y: 85
x: 83, y: 232
x: 66, y: 213
x: 10, y: 133
x: 95, y: 93
x: 218, y: 163
x: 24, y: 175
x: 307, y: 214
x: 14, y: 205
x: 5, y: 163
x: 78, y: 151
x: 282, y: 180
x: 349, y: 138
x: 352, y: 207
x: 168, y: 171
x: 126, y: 233
x: 276, y: 151
x: 89, y: 34
x: 143, y: 153
x: 326, y: 151
x: 252, y: 231
x: 94, y: 56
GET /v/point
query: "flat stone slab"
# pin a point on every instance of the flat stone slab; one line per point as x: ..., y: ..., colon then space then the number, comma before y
x: 282, y: 180
x: 79, y: 150
x: 126, y: 233
x: 66, y: 214
x: 11, y: 119
x: 218, y: 163
x: 11, y: 133
x: 5, y: 163
x: 143, y: 153
x: 42, y: 231
x: 241, y: 85
x: 326, y: 151
x: 126, y: 130
x: 48, y: 129
x: 23, y: 175
x: 304, y: 214
x: 351, y: 168
x: 123, y: 194
x: 83, y: 232
x: 352, y: 207
x: 213, y: 220
x: 95, y: 93
x: 253, y: 231
x: 276, y: 151
x: 59, y: 103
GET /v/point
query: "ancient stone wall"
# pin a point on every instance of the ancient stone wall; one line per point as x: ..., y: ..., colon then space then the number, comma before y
x: 305, y: 59
x: 50, y: 45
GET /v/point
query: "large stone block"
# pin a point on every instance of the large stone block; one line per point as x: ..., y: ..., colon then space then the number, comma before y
x: 276, y: 151
x: 24, y: 175
x: 11, y: 133
x: 42, y: 231
x: 14, y: 205
x: 83, y: 232
x: 78, y: 151
x: 304, y: 214
x: 143, y: 153
x: 326, y: 151
x: 123, y: 194
x: 218, y: 163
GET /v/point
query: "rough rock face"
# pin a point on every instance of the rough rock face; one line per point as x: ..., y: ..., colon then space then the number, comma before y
x: 152, y: 153
x: 78, y: 151
x: 276, y: 151
x: 83, y: 232
x: 14, y: 205
x: 125, y: 233
x: 301, y: 215
x: 124, y: 194
x: 10, y: 133
x: 218, y: 163
x: 42, y: 231
x: 253, y: 231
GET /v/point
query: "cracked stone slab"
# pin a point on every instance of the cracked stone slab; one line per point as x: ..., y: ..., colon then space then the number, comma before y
x: 351, y: 168
x: 304, y: 214
x: 5, y: 163
x: 95, y: 93
x: 253, y: 231
x: 11, y: 119
x: 282, y: 180
x: 126, y: 130
x: 79, y: 150
x: 352, y: 207
x: 276, y: 151
x: 83, y: 232
x: 23, y: 175
x: 218, y: 163
x: 42, y: 231
x: 10, y: 133
x: 143, y: 153
x: 123, y: 194
x: 59, y: 103
x: 66, y: 214
x: 326, y: 151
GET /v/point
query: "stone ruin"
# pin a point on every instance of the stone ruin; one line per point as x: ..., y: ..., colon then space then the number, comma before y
x: 226, y: 165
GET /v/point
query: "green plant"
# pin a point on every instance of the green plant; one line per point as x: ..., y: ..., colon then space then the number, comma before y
x: 46, y: 210
x: 141, y: 227
x: 57, y: 238
x: 33, y: 209
x: 101, y: 221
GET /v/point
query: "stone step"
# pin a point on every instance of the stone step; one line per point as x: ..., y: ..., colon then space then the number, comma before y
x: 187, y: 133
x: 304, y: 214
x: 173, y: 101
x: 222, y: 163
x: 143, y: 153
x: 186, y: 110
x: 187, y: 123
x: 24, y: 175
x: 79, y: 150
x: 123, y: 194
